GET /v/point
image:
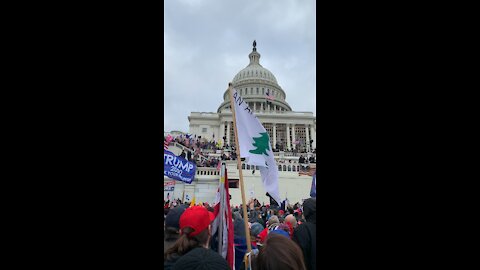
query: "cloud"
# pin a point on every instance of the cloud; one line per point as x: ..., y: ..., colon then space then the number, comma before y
x: 207, y: 43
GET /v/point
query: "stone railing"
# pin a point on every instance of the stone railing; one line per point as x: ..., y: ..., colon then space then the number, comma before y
x: 207, y: 171
x: 282, y: 167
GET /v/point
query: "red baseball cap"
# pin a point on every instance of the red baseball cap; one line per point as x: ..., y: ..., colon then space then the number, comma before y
x: 196, y: 217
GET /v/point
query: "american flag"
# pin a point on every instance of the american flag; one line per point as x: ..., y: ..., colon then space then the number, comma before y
x: 270, y: 96
x: 222, y: 225
x: 167, y: 141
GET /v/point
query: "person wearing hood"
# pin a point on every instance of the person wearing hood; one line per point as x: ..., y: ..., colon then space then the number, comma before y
x: 305, y: 234
x: 239, y: 240
x: 255, y: 229
x: 255, y: 217
x: 172, y: 227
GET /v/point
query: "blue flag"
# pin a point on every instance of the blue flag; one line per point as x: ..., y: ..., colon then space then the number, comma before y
x: 178, y: 168
x: 313, y: 189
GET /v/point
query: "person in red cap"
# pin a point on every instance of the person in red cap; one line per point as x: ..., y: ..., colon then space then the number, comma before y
x: 195, y: 231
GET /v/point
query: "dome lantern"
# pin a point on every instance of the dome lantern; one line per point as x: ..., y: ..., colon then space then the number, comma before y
x: 254, y: 55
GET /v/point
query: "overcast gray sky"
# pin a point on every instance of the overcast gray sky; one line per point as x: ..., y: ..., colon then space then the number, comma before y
x: 207, y: 42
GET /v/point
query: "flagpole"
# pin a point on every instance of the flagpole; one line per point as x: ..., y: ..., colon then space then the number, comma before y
x: 240, y: 172
x: 222, y: 211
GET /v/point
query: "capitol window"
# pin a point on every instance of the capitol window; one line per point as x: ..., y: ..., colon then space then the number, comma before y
x: 204, y: 130
x: 257, y: 90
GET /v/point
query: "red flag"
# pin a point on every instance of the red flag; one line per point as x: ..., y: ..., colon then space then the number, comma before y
x: 223, y: 223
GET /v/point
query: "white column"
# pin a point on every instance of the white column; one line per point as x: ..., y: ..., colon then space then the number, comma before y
x: 288, y: 137
x: 293, y: 135
x: 254, y: 106
x: 261, y: 106
x: 228, y: 132
x: 274, y: 135
x: 222, y: 132
x: 275, y: 108
x: 312, y: 131
x: 307, y: 138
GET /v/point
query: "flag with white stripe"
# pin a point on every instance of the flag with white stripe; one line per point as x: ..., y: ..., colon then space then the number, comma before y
x: 167, y: 141
x: 222, y: 225
x: 269, y: 96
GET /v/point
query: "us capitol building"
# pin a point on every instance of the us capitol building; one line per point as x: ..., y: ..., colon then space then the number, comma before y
x: 287, y: 129
x: 289, y: 132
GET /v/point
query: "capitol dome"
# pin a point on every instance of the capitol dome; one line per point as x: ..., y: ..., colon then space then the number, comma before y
x: 254, y: 82
x: 254, y: 71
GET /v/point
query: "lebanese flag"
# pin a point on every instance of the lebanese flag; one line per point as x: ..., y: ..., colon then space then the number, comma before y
x: 222, y: 225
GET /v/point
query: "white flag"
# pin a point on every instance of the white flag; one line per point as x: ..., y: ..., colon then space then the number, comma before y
x: 254, y: 144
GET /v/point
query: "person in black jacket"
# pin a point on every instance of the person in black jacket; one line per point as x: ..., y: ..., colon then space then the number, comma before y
x: 305, y: 234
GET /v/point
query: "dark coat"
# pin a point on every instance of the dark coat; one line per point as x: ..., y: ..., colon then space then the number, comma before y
x: 305, y: 234
x: 168, y: 264
x: 240, y: 245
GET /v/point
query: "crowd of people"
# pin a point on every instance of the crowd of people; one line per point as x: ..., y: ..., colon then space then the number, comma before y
x: 304, y: 160
x: 282, y: 236
x: 199, y: 145
x: 208, y: 161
